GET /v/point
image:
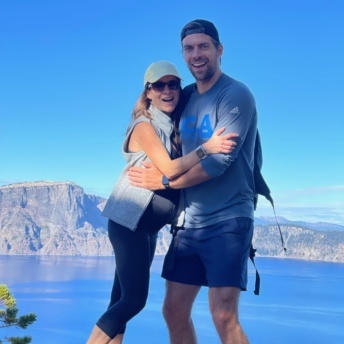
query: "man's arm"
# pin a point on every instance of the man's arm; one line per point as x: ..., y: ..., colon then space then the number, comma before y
x: 151, y: 178
x: 237, y: 113
x: 196, y: 175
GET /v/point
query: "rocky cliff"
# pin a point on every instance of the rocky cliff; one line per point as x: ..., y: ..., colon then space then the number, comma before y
x: 56, y: 218
x: 51, y: 218
x: 301, y: 243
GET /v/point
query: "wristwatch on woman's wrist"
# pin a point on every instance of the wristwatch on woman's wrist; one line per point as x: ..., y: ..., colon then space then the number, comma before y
x: 165, y: 182
x: 201, y: 152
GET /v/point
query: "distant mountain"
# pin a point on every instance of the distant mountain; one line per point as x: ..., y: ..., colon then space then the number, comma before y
x: 301, y: 243
x: 319, y: 226
x: 58, y: 218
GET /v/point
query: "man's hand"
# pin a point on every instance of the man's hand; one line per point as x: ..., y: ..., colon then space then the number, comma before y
x: 147, y: 177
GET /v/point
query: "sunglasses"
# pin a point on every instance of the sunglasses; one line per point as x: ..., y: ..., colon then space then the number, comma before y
x: 159, y: 86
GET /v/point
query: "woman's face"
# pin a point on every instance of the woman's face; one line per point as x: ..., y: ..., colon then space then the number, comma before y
x: 164, y: 93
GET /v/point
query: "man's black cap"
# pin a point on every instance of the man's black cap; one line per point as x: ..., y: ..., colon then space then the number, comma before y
x: 200, y: 26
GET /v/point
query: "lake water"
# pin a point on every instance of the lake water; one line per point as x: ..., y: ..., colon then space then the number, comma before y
x: 300, y: 301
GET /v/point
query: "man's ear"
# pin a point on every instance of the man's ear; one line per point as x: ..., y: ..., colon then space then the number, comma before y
x: 220, y: 50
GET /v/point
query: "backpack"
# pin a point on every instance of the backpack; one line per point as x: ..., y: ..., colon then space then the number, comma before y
x: 261, y: 187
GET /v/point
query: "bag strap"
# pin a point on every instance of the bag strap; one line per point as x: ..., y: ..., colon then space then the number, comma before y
x: 261, y: 187
x: 257, y: 283
x: 184, y: 98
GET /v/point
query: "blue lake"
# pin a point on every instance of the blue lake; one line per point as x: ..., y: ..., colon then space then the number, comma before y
x: 300, y: 301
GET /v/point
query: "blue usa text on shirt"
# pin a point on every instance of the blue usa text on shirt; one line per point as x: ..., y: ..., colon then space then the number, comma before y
x: 189, y: 130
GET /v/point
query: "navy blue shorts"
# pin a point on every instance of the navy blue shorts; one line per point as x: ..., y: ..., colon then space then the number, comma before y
x: 214, y: 256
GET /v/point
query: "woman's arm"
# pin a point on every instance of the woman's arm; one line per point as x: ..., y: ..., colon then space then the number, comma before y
x: 144, y: 137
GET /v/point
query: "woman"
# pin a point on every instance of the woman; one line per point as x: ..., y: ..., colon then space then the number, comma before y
x: 136, y: 214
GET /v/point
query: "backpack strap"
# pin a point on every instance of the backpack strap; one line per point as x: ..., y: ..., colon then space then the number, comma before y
x: 170, y: 255
x: 261, y: 187
x: 257, y: 283
x: 184, y: 98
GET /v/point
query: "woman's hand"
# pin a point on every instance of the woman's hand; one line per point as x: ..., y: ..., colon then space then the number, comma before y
x: 147, y: 177
x: 220, y: 144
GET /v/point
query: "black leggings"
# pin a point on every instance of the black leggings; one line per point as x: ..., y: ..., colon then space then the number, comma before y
x: 134, y: 252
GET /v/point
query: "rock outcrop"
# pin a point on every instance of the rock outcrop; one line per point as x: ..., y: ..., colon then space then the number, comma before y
x: 51, y: 218
x: 301, y: 243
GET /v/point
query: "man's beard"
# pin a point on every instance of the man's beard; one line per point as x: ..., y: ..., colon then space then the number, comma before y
x: 203, y: 77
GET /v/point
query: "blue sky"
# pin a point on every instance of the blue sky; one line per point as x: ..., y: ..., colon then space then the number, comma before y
x: 70, y: 72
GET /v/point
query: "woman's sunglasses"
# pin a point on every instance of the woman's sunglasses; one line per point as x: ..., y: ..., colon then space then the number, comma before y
x: 159, y: 86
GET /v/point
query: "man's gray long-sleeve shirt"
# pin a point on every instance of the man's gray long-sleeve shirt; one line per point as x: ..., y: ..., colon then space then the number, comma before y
x: 229, y: 193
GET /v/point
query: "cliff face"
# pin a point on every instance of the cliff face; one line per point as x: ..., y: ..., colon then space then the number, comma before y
x: 301, y: 243
x: 55, y: 219
x: 60, y: 219
x: 51, y: 218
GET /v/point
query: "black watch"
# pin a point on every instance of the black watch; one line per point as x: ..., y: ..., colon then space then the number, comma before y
x: 165, y: 182
x: 201, y: 152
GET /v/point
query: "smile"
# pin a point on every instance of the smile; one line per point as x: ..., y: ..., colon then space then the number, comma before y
x: 199, y: 65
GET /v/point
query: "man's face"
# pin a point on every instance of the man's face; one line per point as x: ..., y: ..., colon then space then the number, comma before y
x: 201, y: 56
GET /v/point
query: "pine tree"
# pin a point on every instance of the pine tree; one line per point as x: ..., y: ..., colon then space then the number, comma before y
x: 9, y: 317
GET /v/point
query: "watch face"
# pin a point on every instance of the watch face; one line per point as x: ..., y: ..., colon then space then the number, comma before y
x: 165, y: 182
x: 200, y: 152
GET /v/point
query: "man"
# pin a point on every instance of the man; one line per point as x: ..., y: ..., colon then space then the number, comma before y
x: 212, y: 247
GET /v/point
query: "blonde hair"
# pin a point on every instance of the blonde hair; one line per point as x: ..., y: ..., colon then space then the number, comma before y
x: 141, y: 106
